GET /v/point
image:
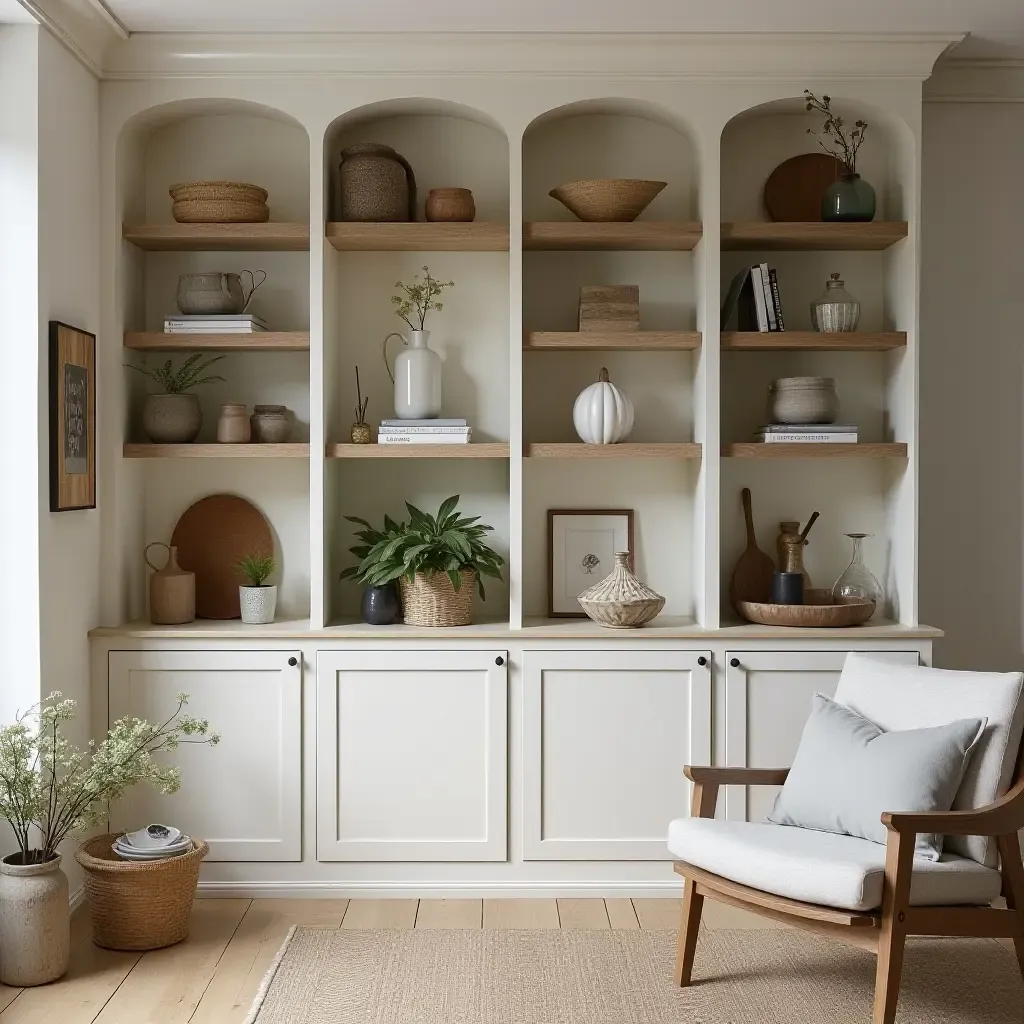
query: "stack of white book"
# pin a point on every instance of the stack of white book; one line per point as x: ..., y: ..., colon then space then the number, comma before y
x: 423, y: 432
x: 818, y: 433
x: 229, y: 323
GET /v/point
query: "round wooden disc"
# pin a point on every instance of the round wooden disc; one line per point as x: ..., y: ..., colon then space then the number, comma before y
x: 211, y: 537
x: 794, y: 189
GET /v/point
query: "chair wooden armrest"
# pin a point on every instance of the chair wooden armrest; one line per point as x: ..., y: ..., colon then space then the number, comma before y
x: 736, y: 776
x: 1000, y: 818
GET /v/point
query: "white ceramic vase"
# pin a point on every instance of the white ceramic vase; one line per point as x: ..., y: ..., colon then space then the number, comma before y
x: 416, y: 376
x: 35, y: 923
x: 259, y: 604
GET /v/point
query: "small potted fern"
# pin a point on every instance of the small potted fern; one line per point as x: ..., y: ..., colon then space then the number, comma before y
x: 258, y: 599
x: 436, y: 560
x: 173, y: 416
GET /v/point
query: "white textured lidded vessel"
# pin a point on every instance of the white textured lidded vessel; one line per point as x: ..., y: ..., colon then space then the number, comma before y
x: 620, y: 600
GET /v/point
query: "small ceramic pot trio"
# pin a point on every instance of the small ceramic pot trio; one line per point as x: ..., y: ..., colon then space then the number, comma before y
x: 378, y: 184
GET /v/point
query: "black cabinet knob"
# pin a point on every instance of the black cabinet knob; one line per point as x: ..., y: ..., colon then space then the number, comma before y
x: 499, y: 660
x: 293, y: 662
x: 702, y: 660
x: 735, y: 662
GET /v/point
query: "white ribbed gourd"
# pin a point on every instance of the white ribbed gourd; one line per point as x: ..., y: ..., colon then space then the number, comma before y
x: 602, y: 414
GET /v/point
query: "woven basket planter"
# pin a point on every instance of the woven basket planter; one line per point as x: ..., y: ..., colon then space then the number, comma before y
x: 219, y: 202
x: 433, y: 601
x: 138, y: 905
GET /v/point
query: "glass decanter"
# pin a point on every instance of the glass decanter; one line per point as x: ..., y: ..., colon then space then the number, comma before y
x: 857, y: 583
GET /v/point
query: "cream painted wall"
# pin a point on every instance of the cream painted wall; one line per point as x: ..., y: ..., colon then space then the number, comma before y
x: 972, y: 383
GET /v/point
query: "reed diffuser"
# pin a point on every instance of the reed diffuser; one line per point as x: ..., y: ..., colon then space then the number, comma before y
x: 360, y: 433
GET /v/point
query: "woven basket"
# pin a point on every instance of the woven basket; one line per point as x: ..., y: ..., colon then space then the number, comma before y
x: 433, y: 601
x: 607, y: 199
x: 219, y: 202
x: 138, y: 905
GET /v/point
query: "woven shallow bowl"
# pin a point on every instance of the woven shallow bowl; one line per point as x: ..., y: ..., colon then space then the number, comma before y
x: 219, y: 202
x: 818, y: 611
x: 607, y: 199
x: 433, y: 601
x: 138, y: 904
x: 623, y: 614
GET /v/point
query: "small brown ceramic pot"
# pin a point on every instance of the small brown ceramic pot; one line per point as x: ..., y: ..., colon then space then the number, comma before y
x: 361, y: 434
x: 450, y: 204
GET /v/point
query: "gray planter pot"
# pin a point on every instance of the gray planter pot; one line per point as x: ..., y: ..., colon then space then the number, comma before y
x: 259, y: 604
x: 35, y: 924
x: 172, y: 419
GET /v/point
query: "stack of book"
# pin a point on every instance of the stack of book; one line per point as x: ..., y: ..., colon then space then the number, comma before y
x: 423, y: 432
x: 230, y: 323
x: 754, y: 299
x: 819, y: 433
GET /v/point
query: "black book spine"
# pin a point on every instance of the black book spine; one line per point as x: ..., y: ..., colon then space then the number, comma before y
x: 776, y: 301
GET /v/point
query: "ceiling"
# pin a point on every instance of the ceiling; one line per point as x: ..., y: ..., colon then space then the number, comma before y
x: 996, y: 26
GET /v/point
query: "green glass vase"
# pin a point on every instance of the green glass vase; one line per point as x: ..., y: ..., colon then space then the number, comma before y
x: 848, y: 198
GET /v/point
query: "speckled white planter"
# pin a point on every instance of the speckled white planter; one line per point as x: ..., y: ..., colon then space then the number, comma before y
x: 259, y: 604
x: 35, y: 924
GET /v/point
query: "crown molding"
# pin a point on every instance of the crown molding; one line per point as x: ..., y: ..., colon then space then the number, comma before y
x: 672, y: 56
x: 976, y: 80
x: 86, y: 27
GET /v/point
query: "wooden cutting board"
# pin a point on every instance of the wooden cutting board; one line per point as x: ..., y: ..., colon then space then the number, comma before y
x: 211, y: 537
x: 752, y: 577
x: 794, y: 189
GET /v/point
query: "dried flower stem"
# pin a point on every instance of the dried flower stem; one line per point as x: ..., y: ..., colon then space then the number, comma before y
x: 832, y: 138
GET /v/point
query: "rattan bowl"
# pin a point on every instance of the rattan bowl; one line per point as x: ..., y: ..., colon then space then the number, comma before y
x: 219, y: 202
x: 607, y: 199
x: 138, y: 904
x: 818, y: 612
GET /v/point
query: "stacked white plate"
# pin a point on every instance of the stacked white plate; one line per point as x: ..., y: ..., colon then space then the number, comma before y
x: 156, y: 842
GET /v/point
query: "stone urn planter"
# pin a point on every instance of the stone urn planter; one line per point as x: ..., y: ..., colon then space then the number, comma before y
x: 35, y: 924
x: 172, y: 419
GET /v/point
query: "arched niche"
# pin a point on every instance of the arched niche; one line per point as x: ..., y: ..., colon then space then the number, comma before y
x: 447, y: 144
x: 757, y: 140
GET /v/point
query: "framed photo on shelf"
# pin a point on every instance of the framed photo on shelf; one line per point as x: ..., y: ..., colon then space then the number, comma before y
x: 582, y: 543
x: 72, y: 418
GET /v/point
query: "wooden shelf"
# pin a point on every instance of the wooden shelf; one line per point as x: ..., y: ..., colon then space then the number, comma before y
x: 670, y: 236
x: 269, y: 237
x: 820, y: 235
x: 484, y: 450
x: 265, y: 341
x: 576, y: 450
x: 611, y: 341
x: 812, y: 341
x: 361, y: 236
x: 216, y: 451
x: 760, y: 450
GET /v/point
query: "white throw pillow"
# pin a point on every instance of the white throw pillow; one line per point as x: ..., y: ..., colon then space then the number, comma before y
x: 848, y: 772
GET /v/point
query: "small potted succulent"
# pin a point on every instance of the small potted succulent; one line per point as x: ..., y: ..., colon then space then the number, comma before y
x: 257, y: 598
x: 173, y: 416
x: 849, y: 197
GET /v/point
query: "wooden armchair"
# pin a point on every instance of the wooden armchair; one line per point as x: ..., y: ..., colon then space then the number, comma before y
x: 883, y: 931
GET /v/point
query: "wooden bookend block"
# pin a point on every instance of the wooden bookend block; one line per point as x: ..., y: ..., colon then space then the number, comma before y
x: 610, y: 307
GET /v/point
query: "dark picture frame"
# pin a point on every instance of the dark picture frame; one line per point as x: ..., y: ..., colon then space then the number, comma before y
x: 72, y: 418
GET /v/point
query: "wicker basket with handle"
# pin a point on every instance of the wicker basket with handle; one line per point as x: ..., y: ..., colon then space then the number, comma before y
x: 433, y: 601
x: 138, y: 905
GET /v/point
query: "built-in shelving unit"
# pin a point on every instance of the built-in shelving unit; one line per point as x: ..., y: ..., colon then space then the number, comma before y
x: 267, y: 237
x: 812, y: 341
x: 216, y: 451
x: 812, y: 235
x: 483, y: 450
x: 611, y: 341
x: 622, y: 450
x: 475, y: 236
x: 638, y: 235
x: 755, y: 450
x: 262, y: 341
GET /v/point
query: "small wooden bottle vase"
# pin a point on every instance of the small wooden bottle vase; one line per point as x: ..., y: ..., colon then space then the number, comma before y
x: 172, y: 590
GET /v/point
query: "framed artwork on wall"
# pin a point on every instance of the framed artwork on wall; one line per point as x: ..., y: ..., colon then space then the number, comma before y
x: 582, y: 543
x: 72, y: 418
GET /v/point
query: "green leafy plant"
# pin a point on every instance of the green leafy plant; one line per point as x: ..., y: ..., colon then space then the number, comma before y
x: 419, y: 298
x: 445, y: 543
x: 50, y: 789
x: 187, y: 376
x: 833, y: 138
x: 257, y: 569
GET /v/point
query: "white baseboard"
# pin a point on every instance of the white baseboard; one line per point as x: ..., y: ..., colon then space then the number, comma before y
x: 442, y: 890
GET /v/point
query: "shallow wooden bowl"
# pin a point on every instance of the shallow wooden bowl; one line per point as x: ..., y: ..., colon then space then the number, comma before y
x: 817, y: 612
x: 607, y: 199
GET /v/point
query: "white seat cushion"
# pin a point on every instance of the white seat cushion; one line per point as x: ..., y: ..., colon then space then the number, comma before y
x: 897, y: 697
x: 821, y: 867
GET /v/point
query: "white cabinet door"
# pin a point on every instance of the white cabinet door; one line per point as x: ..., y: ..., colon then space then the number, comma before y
x: 605, y: 738
x: 767, y: 701
x: 244, y: 795
x: 411, y: 755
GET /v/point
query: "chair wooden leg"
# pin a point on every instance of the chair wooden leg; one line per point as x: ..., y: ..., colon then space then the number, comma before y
x: 899, y: 855
x: 1013, y: 888
x: 689, y: 926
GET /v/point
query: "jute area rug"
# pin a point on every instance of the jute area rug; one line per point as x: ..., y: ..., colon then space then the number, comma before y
x: 750, y: 976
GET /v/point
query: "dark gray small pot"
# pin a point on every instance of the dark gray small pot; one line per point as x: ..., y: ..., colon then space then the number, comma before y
x: 381, y: 606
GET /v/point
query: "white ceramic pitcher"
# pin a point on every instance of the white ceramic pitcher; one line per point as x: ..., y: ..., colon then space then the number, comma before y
x: 416, y: 376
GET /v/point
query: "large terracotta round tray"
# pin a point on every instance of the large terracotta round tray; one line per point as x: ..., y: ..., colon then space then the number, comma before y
x: 817, y: 612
